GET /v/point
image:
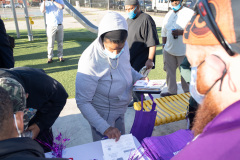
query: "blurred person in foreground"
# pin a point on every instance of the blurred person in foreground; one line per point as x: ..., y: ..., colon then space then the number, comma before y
x: 12, y: 122
x: 213, y: 50
x: 105, y: 78
x: 172, y: 41
x: 46, y: 97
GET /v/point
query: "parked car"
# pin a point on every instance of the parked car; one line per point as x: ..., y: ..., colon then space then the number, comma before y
x: 35, y: 4
x: 17, y: 5
x: 147, y: 7
x: 117, y: 4
x: 2, y: 5
x: 120, y: 5
x: 188, y: 3
x: 7, y: 6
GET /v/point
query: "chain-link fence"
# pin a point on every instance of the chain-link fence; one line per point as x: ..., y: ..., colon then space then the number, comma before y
x: 146, y: 5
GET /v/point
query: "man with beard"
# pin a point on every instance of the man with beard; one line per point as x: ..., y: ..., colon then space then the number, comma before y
x: 213, y: 49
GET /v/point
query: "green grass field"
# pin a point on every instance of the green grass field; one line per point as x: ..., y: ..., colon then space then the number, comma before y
x: 34, y: 54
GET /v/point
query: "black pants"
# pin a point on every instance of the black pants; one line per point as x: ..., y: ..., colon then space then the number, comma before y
x: 193, y: 106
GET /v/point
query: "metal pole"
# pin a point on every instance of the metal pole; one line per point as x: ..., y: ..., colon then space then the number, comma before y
x: 30, y: 36
x: 108, y: 4
x: 15, y: 18
x: 120, y: 7
x: 144, y: 6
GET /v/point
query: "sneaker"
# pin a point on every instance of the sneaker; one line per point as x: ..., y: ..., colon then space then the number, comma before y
x: 61, y: 59
x: 166, y: 94
x: 50, y: 60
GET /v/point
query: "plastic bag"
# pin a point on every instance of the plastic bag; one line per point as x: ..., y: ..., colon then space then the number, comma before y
x: 144, y: 71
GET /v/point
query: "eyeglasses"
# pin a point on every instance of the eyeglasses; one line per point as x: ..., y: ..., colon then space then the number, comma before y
x: 202, y: 7
x: 224, y: 72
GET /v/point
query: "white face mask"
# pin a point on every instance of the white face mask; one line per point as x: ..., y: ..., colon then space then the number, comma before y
x: 15, y: 120
x: 193, y: 87
x: 112, y: 55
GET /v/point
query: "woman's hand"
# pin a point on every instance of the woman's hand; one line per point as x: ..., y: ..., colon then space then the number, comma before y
x: 113, y: 133
x: 145, y: 78
x: 35, y: 130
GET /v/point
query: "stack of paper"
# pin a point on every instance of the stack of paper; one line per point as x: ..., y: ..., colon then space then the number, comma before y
x: 152, y: 85
x: 124, y: 149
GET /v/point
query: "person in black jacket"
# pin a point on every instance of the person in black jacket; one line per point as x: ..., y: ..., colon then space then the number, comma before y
x: 6, y: 52
x: 12, y: 104
x: 45, y: 94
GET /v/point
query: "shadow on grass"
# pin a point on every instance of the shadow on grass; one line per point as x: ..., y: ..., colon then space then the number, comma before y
x: 34, y: 54
x: 159, y: 47
x: 56, y: 65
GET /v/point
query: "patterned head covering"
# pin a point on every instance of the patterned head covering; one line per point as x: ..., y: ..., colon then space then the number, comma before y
x: 206, y: 25
x: 17, y: 95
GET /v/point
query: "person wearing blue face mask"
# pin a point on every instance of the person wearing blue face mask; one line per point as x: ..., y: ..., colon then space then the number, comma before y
x: 105, y: 79
x: 142, y: 39
x: 173, y: 48
x: 176, y: 5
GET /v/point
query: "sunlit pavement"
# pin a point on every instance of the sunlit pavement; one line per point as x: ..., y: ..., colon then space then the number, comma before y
x: 93, y: 15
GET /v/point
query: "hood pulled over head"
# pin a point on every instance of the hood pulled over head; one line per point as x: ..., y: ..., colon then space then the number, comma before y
x: 110, y: 22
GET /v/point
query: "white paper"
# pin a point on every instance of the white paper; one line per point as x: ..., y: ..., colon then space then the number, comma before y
x: 119, y: 150
x: 141, y: 83
x: 156, y: 83
x: 152, y: 85
x: 139, y: 154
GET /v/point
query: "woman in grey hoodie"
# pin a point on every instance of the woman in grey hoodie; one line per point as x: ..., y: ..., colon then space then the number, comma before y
x: 105, y: 78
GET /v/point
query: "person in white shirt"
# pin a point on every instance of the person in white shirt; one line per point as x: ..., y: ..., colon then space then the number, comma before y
x: 173, y: 48
x: 54, y: 19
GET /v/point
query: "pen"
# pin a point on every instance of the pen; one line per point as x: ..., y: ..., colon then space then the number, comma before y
x: 105, y: 137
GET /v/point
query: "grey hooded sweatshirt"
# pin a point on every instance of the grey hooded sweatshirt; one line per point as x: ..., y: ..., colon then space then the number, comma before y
x: 100, y: 87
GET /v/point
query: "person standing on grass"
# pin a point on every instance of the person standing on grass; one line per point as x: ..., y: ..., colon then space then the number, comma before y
x: 54, y: 20
x: 142, y: 39
x: 173, y: 48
